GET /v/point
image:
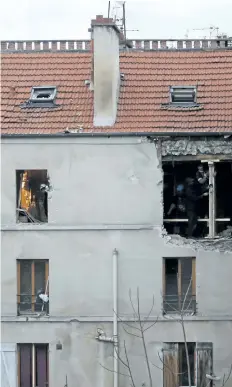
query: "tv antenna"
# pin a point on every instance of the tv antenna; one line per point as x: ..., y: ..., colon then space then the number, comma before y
x: 118, y: 13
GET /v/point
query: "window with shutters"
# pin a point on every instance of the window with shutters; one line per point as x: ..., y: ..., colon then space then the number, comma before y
x: 33, y: 290
x: 175, y: 369
x: 33, y: 365
x: 179, y: 285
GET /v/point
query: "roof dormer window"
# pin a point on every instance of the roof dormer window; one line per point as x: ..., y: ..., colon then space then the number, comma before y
x: 183, y: 94
x: 43, y: 94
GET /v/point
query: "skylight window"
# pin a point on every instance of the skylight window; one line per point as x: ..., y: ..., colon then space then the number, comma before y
x: 43, y: 94
x: 183, y: 94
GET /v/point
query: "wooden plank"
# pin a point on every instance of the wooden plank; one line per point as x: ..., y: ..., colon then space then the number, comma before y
x: 170, y: 365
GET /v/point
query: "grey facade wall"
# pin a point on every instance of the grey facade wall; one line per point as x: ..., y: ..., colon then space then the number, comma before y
x: 107, y: 193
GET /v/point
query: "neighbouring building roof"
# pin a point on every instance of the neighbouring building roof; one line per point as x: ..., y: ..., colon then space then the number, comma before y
x: 144, y: 92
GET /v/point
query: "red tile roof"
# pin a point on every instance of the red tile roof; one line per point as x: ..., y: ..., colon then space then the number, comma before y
x: 148, y: 76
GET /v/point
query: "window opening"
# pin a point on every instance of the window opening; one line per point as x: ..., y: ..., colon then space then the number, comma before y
x: 196, y: 203
x: 33, y: 364
x: 33, y: 289
x: 43, y: 94
x: 183, y: 368
x: 179, y: 285
x: 175, y: 370
x: 32, y: 187
x: 183, y: 94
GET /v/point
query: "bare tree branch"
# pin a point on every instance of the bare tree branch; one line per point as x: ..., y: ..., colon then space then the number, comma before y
x: 147, y: 317
x: 225, y: 379
x: 130, y: 333
x: 129, y: 368
x: 114, y: 371
x: 126, y: 323
x: 150, y: 326
x: 132, y: 304
x: 143, y: 340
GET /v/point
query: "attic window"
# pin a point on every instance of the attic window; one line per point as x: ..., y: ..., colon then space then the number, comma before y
x: 43, y: 94
x: 183, y: 94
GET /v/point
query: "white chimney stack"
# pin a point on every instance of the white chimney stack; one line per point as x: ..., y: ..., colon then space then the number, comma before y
x: 106, y: 71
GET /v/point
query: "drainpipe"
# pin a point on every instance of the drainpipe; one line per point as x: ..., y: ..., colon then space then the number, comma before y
x: 115, y: 319
x: 101, y: 336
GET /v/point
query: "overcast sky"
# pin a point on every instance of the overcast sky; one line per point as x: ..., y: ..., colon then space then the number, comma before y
x: 70, y: 19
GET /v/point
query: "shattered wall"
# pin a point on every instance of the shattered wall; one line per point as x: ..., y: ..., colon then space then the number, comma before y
x: 189, y: 146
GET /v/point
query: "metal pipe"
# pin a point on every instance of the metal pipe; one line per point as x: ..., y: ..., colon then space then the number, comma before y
x: 115, y: 316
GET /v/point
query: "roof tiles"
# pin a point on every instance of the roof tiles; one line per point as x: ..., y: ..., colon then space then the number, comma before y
x: 145, y: 87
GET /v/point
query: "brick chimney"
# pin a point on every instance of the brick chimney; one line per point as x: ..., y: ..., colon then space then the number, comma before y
x: 105, y: 72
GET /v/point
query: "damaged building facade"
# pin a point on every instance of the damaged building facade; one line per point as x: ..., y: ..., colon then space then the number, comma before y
x: 96, y: 173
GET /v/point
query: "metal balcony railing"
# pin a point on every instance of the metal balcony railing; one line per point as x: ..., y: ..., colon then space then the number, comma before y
x: 179, y: 304
x: 30, y: 304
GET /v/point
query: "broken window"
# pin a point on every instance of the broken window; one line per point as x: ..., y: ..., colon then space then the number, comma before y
x: 33, y: 365
x: 179, y: 285
x: 33, y: 290
x: 32, y: 195
x: 175, y: 369
x: 43, y: 94
x: 196, y: 203
x: 182, y: 94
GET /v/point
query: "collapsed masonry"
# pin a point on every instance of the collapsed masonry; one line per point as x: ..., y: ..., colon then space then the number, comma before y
x: 199, y: 169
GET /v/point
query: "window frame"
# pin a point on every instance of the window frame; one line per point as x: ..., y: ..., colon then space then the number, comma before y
x: 172, y: 90
x: 212, y: 220
x: 32, y: 295
x: 33, y: 347
x: 179, y: 294
x: 35, y: 91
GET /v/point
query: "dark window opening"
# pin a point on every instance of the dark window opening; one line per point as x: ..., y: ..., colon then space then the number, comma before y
x: 196, y: 203
x: 179, y: 285
x: 33, y: 286
x: 33, y: 365
x: 43, y: 95
x: 32, y: 196
x: 183, y: 368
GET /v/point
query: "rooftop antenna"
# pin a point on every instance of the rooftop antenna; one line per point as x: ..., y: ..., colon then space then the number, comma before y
x: 108, y: 9
x: 119, y: 15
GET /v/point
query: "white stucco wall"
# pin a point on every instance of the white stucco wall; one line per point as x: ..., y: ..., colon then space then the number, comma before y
x: 107, y: 193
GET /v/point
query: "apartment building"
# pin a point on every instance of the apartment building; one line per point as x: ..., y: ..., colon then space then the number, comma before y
x: 98, y: 138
